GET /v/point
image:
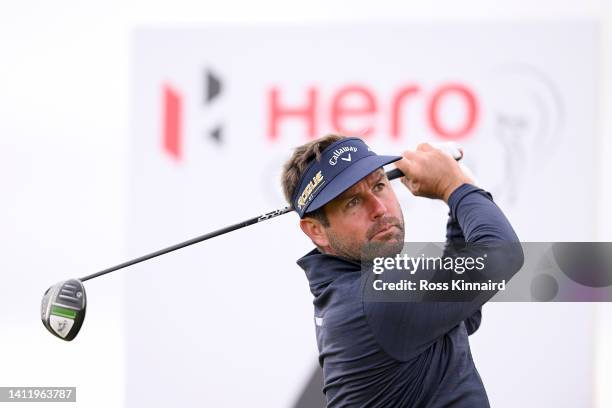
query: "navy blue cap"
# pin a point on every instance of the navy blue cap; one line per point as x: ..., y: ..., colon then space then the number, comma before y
x: 342, y: 164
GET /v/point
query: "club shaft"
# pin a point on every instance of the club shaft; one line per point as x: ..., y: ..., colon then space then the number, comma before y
x: 392, y: 174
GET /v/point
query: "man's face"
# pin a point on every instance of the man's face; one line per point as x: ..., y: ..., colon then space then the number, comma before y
x: 366, y: 221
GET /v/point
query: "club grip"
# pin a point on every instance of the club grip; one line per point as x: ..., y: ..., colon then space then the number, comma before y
x: 457, y: 155
x: 395, y: 173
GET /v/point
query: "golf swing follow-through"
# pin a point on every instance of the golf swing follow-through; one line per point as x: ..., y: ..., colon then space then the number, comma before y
x: 64, y: 304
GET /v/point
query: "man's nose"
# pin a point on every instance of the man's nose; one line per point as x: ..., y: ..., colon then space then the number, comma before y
x: 377, y: 207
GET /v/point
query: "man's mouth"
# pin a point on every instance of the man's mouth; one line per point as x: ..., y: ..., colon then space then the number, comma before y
x: 385, y: 230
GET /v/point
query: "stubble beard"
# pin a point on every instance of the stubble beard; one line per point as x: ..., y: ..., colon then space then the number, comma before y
x: 359, y: 251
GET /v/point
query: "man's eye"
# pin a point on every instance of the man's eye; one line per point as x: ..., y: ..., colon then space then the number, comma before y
x: 353, y: 202
x: 379, y: 186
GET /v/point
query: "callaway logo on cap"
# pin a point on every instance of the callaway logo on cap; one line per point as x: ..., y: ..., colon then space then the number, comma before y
x: 342, y: 164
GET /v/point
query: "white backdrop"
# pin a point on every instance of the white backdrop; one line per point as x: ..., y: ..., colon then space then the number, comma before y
x: 64, y: 135
x: 236, y: 311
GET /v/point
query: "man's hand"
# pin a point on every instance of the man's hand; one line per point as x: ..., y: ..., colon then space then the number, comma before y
x: 431, y: 173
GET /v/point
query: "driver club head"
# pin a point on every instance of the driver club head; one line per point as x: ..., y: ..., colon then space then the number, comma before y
x: 63, y: 308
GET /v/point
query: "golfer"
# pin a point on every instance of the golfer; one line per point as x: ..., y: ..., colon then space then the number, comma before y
x: 396, y: 354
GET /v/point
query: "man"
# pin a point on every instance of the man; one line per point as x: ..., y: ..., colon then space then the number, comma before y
x: 377, y: 354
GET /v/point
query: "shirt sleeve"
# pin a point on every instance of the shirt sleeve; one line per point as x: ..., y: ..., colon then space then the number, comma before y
x: 472, y: 323
x: 405, y: 328
x: 455, y: 237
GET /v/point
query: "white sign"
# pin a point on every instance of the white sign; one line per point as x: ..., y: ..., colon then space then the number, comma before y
x: 217, y: 111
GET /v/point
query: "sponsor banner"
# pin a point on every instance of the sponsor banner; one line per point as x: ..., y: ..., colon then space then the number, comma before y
x: 218, y: 110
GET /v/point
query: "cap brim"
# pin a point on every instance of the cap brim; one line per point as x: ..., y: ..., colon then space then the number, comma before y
x: 348, y: 178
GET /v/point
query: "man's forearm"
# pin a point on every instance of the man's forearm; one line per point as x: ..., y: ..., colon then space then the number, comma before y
x: 479, y: 219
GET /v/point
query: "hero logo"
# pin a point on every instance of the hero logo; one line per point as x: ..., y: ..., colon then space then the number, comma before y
x: 451, y: 110
x: 172, y: 116
x: 339, y: 152
x: 352, y: 109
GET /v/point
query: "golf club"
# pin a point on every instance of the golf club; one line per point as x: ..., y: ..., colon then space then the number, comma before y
x: 63, y: 304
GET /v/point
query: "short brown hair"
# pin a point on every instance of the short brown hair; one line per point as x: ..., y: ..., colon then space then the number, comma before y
x: 296, y: 166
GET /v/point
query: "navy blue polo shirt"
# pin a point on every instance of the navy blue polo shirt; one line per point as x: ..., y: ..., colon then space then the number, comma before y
x: 377, y: 354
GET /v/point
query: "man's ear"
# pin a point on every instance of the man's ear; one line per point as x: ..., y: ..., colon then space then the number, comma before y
x: 315, y: 231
